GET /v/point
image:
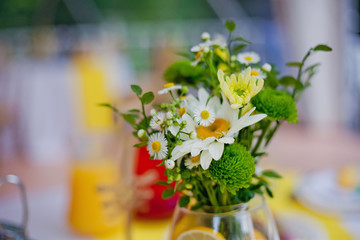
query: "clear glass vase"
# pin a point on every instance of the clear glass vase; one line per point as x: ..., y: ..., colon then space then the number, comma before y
x: 249, y: 221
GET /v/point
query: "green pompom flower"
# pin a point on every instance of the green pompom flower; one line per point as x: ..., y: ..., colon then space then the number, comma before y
x: 276, y: 105
x: 234, y: 170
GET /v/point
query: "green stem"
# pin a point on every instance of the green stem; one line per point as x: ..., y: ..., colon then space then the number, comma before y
x: 300, y: 69
x: 146, y: 119
x: 260, y: 139
x: 271, y: 134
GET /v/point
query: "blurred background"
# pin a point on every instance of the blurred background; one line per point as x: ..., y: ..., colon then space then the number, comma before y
x: 60, y: 58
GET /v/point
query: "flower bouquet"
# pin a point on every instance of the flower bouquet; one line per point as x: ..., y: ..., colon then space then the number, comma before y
x: 225, y: 106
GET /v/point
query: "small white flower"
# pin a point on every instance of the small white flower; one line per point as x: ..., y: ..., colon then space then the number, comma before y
x: 219, y: 41
x: 157, y: 146
x: 169, y: 122
x: 169, y: 115
x: 205, y: 36
x: 205, y: 116
x: 153, y: 112
x: 158, y: 121
x: 192, y: 162
x: 170, y: 164
x: 169, y: 87
x: 266, y: 67
x: 141, y: 133
x: 256, y: 72
x: 248, y: 57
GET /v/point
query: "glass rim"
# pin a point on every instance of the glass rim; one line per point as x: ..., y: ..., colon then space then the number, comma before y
x: 258, y: 206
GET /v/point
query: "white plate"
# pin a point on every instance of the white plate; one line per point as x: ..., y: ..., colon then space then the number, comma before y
x: 320, y: 192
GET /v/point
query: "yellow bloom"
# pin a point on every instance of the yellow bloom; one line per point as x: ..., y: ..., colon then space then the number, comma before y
x: 241, y: 88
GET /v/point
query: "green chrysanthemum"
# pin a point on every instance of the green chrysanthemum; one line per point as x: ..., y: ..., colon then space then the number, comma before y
x: 276, y: 105
x: 234, y: 170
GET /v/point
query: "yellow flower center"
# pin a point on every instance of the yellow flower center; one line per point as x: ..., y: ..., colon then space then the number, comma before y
x: 168, y: 85
x: 254, y: 73
x: 156, y: 146
x: 198, y: 55
x: 183, y: 98
x: 204, y: 114
x: 195, y: 159
x: 248, y: 58
x: 217, y: 129
x: 182, y: 111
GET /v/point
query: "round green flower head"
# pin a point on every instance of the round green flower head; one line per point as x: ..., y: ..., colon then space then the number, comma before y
x: 234, y: 170
x: 276, y: 105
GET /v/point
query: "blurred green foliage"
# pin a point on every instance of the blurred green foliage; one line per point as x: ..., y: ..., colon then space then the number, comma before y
x: 24, y: 13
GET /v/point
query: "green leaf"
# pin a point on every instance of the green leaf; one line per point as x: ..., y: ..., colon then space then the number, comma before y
x: 182, y: 72
x: 110, y: 106
x: 322, y: 47
x: 230, y: 25
x: 140, y: 144
x: 130, y: 118
x: 272, y: 81
x: 241, y: 39
x: 164, y: 183
x: 238, y: 48
x: 294, y: 64
x: 136, y: 89
x: 259, y: 154
x: 312, y: 67
x: 184, y: 201
x: 134, y: 110
x: 271, y: 174
x: 291, y: 81
x: 147, y: 98
x: 167, y: 193
x: 268, y: 191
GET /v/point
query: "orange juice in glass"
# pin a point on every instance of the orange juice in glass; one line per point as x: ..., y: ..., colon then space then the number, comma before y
x: 94, y: 204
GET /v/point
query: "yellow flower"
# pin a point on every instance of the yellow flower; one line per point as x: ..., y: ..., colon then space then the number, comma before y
x: 241, y: 88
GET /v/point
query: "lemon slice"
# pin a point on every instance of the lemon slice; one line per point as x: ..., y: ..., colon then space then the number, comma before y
x: 201, y: 233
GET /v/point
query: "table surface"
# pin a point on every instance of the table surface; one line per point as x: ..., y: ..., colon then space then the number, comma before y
x: 297, y: 149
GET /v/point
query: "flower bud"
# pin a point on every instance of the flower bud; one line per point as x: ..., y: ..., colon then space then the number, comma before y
x: 164, y: 105
x: 169, y: 122
x: 206, y: 49
x: 170, y: 164
x: 141, y: 133
x: 233, y: 58
x: 179, y: 142
x: 184, y: 89
x: 266, y: 67
x: 192, y: 135
x: 205, y: 36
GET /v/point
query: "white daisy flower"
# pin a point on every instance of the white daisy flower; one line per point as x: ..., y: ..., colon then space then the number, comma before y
x: 256, y: 72
x: 169, y: 87
x: 210, y: 141
x: 204, y: 115
x: 266, y: 67
x: 170, y: 164
x: 205, y: 36
x: 157, y: 146
x: 219, y: 41
x: 192, y: 162
x: 158, y: 121
x: 248, y: 58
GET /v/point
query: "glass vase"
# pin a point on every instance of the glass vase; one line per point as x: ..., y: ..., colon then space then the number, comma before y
x: 246, y: 221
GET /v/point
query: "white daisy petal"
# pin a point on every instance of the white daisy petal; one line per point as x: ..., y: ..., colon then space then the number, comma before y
x: 216, y: 150
x: 227, y: 140
x: 205, y: 159
x: 203, y: 96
